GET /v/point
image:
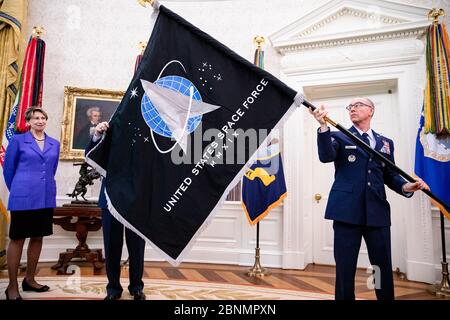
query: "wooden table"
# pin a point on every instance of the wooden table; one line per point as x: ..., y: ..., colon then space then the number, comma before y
x: 87, y: 218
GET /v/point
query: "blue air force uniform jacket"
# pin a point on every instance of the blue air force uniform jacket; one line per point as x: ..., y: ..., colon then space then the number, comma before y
x: 358, y: 195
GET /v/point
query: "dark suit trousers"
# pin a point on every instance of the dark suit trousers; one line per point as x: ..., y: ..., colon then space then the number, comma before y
x: 113, y: 242
x: 347, y: 242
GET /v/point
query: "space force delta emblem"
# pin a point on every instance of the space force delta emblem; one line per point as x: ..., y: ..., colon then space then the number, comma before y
x: 187, y: 84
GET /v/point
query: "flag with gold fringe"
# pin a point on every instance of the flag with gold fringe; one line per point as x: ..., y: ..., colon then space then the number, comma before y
x: 264, y: 186
x: 7, y: 135
x: 433, y: 138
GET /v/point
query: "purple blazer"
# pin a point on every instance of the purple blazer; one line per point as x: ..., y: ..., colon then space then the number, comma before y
x: 30, y: 173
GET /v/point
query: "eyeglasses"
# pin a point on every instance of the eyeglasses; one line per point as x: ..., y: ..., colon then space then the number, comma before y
x: 357, y: 105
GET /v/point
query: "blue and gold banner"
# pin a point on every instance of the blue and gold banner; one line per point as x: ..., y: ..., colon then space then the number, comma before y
x: 263, y: 186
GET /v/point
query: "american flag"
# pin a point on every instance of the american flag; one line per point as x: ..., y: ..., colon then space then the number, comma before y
x: 9, y: 132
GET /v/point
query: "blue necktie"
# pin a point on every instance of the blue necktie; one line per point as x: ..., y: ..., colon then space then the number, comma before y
x: 365, y: 138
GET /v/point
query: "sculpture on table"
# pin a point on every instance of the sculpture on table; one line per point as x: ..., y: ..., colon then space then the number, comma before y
x: 87, y: 177
x: 81, y: 217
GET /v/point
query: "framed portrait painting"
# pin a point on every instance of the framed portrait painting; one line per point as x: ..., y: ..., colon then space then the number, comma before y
x: 83, y: 110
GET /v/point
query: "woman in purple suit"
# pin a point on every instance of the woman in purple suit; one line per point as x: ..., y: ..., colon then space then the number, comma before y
x: 30, y: 165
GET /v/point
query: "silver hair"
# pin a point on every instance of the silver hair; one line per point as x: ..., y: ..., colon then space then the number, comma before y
x: 91, y: 109
x: 368, y: 100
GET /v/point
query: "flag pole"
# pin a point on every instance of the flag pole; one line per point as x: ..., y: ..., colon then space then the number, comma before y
x: 442, y: 289
x: 257, y: 270
x: 37, y: 32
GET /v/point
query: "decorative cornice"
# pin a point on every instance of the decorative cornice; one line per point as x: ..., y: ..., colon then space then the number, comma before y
x: 306, y: 45
x: 347, y: 11
x: 362, y: 21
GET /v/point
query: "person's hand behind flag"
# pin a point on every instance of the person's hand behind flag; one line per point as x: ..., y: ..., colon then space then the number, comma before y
x: 101, y: 128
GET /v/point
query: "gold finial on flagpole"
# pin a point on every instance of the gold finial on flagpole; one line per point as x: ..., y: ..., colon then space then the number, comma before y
x: 259, y: 41
x: 142, y: 45
x: 144, y: 2
x: 38, y: 31
x: 435, y: 13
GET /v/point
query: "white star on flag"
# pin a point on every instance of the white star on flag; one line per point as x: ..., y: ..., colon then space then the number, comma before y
x: 134, y: 93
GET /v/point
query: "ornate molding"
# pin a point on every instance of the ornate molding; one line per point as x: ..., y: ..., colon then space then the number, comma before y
x: 417, y: 33
x: 347, y: 11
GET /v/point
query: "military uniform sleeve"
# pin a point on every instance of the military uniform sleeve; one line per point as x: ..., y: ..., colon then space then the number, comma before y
x: 327, y: 146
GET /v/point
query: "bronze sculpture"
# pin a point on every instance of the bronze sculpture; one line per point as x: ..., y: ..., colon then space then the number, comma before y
x: 87, y: 177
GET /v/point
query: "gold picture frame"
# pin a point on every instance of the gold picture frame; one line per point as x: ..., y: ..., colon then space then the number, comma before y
x: 82, y: 108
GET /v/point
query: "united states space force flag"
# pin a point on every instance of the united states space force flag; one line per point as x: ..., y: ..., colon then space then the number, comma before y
x: 162, y: 180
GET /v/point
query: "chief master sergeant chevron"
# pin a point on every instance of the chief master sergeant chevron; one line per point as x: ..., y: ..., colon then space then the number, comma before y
x: 357, y: 200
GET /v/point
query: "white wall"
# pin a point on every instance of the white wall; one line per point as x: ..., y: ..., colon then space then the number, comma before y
x: 93, y: 44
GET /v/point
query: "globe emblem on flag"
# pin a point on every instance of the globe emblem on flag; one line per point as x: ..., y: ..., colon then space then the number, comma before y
x: 153, y: 118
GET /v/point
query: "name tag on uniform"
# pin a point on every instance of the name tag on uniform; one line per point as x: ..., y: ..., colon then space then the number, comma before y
x: 350, y: 147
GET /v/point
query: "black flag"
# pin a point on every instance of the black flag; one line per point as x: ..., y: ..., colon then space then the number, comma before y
x: 182, y: 135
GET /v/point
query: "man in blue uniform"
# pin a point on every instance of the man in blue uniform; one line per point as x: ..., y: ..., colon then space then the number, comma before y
x: 357, y: 200
x: 113, y: 242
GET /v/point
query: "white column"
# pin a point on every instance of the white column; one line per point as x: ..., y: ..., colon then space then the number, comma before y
x: 294, y: 256
x: 419, y: 228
